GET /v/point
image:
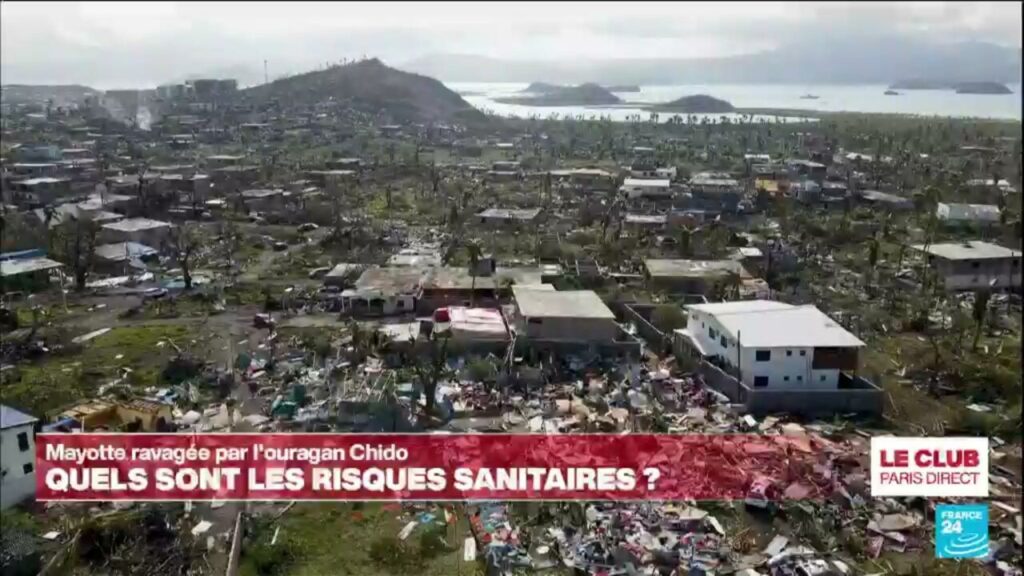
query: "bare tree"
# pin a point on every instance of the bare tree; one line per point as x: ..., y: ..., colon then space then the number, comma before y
x: 429, y: 372
x: 75, y: 243
x: 184, y: 244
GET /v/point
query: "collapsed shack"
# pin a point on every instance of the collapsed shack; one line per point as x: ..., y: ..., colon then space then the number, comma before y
x: 148, y: 540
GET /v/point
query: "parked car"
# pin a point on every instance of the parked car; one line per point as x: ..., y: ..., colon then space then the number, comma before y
x: 263, y: 321
x: 307, y: 227
x: 154, y: 293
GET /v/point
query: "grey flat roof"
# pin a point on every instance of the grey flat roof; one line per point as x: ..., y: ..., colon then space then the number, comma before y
x: 510, y: 213
x: 9, y: 418
x: 136, y: 224
x: 534, y: 303
x: 27, y: 265
x: 399, y: 280
x: 972, y: 250
x: 692, y: 268
x: 119, y: 251
x: 756, y: 324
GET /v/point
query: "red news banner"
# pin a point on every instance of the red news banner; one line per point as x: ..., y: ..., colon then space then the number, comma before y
x: 425, y: 467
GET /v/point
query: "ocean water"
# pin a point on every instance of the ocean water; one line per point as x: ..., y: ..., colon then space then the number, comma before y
x: 831, y: 98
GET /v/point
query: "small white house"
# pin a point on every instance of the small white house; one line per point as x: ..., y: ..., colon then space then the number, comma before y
x: 17, y: 457
x: 967, y: 213
x: 646, y: 188
x: 772, y: 345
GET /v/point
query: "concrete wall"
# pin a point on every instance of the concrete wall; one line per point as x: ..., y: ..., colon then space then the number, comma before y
x: 572, y: 329
x: 639, y: 314
x: 235, y: 554
x: 865, y: 398
x: 964, y: 276
x: 621, y: 348
x: 16, y: 485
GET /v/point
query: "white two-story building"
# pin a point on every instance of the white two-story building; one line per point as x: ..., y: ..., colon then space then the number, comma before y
x: 17, y: 457
x: 772, y: 345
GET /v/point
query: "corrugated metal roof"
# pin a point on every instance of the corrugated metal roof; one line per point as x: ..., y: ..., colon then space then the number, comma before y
x: 9, y: 418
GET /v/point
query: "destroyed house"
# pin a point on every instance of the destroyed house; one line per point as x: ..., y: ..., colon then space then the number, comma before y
x: 973, y: 265
x: 705, y: 277
x: 450, y: 286
x: 138, y: 415
x: 885, y: 201
x: 509, y: 216
x: 117, y: 258
x: 572, y: 315
x: 383, y: 291
x: 743, y: 353
x: 344, y: 164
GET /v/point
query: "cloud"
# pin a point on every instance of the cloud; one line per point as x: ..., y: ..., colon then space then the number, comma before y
x: 145, y: 43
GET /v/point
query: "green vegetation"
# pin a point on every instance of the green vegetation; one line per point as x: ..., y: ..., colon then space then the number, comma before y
x: 355, y: 539
x: 134, y: 354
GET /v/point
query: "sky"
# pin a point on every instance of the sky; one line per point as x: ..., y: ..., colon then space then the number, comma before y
x: 132, y: 45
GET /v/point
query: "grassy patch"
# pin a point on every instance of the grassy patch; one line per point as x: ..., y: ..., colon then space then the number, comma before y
x: 354, y: 539
x: 76, y: 372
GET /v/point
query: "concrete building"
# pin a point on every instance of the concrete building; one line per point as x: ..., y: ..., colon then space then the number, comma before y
x: 634, y: 188
x: 680, y: 276
x: 264, y: 200
x: 509, y: 216
x: 977, y: 214
x: 153, y: 233
x: 745, y: 338
x: 383, y: 291
x: 27, y: 274
x: 716, y: 191
x: 17, y: 457
x: 37, y: 191
x: 571, y: 315
x: 973, y: 265
x: 810, y: 367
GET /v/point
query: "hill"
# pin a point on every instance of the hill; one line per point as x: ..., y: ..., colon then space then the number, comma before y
x: 959, y: 87
x: 371, y: 87
x: 696, y: 104
x: 852, y: 59
x: 542, y: 88
x: 982, y: 88
x: 60, y: 94
x: 588, y: 94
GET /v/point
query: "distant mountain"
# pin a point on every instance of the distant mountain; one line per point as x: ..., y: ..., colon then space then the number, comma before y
x: 60, y: 94
x: 623, y: 88
x: 371, y: 87
x: 588, y: 94
x: 696, y: 104
x: 851, y: 60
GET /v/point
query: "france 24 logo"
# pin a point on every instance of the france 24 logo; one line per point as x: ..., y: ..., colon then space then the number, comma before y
x: 961, y: 531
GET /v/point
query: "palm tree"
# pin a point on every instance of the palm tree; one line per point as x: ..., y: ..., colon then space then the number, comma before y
x: 980, y: 311
x: 475, y: 253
